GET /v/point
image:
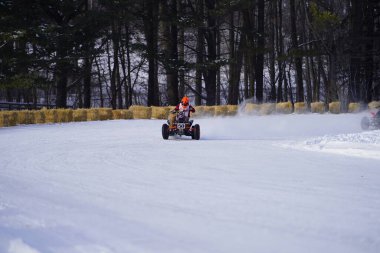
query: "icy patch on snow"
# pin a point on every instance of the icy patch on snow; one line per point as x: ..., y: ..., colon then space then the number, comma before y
x: 18, y: 246
x: 365, y: 144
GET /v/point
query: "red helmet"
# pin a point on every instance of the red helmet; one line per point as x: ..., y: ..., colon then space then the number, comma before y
x: 185, y: 101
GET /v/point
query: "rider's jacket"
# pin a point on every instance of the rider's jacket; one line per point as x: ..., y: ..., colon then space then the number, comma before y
x: 186, y: 109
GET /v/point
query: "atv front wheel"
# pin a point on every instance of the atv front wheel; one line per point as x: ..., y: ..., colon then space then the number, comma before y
x: 165, y: 131
x: 365, y: 123
x: 196, y: 132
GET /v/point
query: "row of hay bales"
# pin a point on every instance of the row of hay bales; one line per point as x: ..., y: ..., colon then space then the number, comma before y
x: 301, y: 107
x: 12, y: 118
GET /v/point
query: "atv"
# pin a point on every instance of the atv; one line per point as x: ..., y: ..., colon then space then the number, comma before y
x: 372, y: 122
x: 181, y: 126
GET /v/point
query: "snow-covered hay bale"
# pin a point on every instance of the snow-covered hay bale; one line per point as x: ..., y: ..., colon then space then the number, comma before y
x: 354, y: 107
x: 51, y: 116
x: 80, y: 115
x: 25, y: 117
x: 39, y: 117
x: 105, y: 113
x: 267, y: 108
x: 93, y: 114
x: 334, y: 107
x: 221, y: 110
x: 64, y: 115
x: 232, y: 110
x: 317, y: 107
x: 250, y: 108
x: 284, y: 107
x: 141, y: 112
x: 374, y: 105
x: 300, y: 107
x: 160, y: 112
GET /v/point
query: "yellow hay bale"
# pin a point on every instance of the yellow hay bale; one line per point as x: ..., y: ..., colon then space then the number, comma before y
x: 39, y: 116
x: 93, y: 114
x: 105, y: 113
x: 300, y: 107
x: 64, y: 115
x: 334, y: 107
x: 209, y: 111
x: 251, y: 108
x: 25, y: 117
x: 199, y: 111
x: 221, y: 110
x: 117, y: 114
x: 51, y: 116
x: 374, y: 105
x: 80, y: 115
x: 8, y: 118
x: 232, y: 110
x: 284, y: 107
x: 354, y: 107
x: 127, y: 114
x: 160, y: 112
x: 1, y: 119
x: 141, y: 112
x: 317, y: 107
x: 267, y: 108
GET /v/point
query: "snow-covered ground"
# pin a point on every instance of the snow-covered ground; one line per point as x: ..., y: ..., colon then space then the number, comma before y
x: 264, y: 184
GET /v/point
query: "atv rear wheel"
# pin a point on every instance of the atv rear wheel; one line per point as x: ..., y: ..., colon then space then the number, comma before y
x: 165, y: 131
x: 196, y: 132
x: 365, y: 123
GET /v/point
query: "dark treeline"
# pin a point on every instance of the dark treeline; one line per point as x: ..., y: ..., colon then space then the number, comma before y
x: 108, y: 53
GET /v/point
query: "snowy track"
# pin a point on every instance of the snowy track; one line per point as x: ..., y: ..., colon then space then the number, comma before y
x: 286, y: 183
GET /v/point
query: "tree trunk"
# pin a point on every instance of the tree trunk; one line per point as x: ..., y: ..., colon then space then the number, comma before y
x: 150, y: 19
x: 260, y: 55
x: 200, y: 53
x: 297, y: 58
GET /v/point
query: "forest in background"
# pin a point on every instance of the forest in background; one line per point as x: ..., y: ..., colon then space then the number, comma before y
x: 118, y: 53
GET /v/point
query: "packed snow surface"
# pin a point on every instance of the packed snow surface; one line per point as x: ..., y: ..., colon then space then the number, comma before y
x: 259, y: 184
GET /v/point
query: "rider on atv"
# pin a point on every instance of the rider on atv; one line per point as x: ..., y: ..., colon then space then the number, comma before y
x: 184, y: 107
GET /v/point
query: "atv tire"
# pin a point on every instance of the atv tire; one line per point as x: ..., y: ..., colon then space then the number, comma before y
x: 165, y: 131
x: 365, y: 123
x: 196, y: 132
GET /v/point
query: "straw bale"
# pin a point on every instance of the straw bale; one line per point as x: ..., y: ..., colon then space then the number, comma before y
x: 64, y: 115
x: 221, y: 110
x: 51, y: 116
x: 284, y: 107
x: 117, y: 114
x: 93, y: 114
x: 318, y: 107
x: 374, y: 105
x: 334, y: 107
x: 267, y: 108
x: 79, y: 115
x: 2, y: 119
x: 105, y: 113
x: 300, y: 107
x: 252, y: 108
x: 354, y: 107
x: 39, y: 116
x: 141, y: 112
x: 160, y: 112
x: 232, y: 110
x: 199, y: 111
x: 25, y: 117
x: 127, y: 114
